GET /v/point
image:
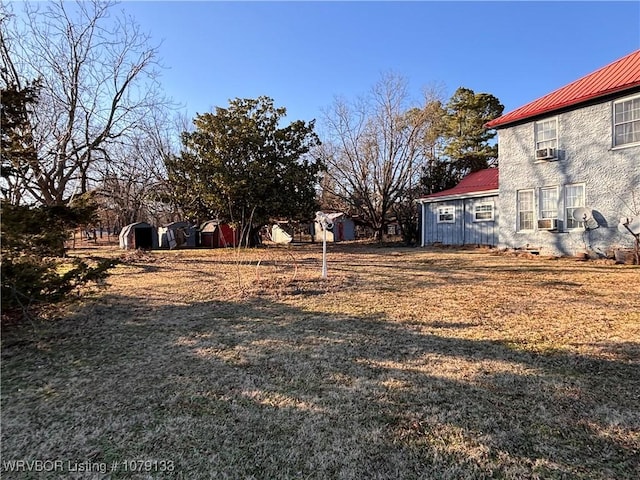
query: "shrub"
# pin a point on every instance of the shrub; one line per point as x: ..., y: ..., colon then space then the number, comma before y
x: 33, y: 272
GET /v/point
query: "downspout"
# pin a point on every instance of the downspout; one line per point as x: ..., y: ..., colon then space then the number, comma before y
x: 423, y: 223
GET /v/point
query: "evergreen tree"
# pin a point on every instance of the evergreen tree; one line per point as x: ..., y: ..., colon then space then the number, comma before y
x: 459, y: 143
x: 32, y: 241
x: 240, y: 165
x: 468, y: 141
x: 17, y: 150
x: 32, y: 237
x: 438, y: 171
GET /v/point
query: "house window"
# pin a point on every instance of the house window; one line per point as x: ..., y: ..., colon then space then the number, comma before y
x: 549, y: 202
x: 626, y: 121
x: 525, y: 210
x: 547, y: 134
x: 573, y: 199
x: 446, y: 214
x: 483, y: 212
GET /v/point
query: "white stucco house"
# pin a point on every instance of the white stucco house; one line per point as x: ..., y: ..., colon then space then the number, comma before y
x: 575, y: 148
x: 571, y: 152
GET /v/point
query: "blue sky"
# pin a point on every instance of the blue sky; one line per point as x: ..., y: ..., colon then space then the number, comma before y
x: 303, y: 54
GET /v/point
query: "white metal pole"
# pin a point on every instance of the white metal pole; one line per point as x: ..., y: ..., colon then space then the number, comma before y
x: 324, y: 250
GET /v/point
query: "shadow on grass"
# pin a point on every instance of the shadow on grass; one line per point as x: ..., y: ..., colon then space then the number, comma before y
x: 260, y: 389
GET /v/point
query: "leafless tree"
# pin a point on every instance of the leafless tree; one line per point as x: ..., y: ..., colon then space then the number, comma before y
x: 133, y: 185
x: 98, y: 78
x: 373, y: 148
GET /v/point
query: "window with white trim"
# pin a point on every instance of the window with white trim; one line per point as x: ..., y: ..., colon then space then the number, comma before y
x: 546, y: 134
x: 626, y: 121
x: 446, y: 214
x: 573, y: 199
x: 483, y: 212
x: 549, y: 202
x: 525, y: 210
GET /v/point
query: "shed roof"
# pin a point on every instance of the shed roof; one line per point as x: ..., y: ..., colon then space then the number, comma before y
x: 473, y: 184
x: 621, y: 75
x: 137, y: 225
x: 211, y: 225
x: 178, y: 224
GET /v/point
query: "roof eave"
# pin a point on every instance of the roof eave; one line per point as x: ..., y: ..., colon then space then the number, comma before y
x: 627, y: 89
x: 458, y: 196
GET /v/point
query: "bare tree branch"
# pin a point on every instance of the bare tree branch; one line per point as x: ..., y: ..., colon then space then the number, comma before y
x: 374, y: 148
x: 99, y: 84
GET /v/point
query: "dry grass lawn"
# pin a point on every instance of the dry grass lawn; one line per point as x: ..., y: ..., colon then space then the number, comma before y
x: 404, y: 364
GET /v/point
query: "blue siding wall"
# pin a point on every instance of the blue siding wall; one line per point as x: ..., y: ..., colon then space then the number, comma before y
x: 464, y: 230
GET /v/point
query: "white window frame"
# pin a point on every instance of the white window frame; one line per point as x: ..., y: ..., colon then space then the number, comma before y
x: 483, y: 205
x: 543, y: 137
x: 629, y: 121
x: 548, y: 210
x: 446, y: 211
x: 569, y: 207
x: 519, y: 210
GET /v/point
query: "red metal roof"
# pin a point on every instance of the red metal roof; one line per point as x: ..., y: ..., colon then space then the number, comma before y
x: 618, y: 76
x: 476, y: 182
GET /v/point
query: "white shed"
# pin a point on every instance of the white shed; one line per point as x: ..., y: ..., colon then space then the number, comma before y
x: 138, y: 235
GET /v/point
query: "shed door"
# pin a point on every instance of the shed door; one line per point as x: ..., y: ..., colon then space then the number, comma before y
x: 206, y: 239
x: 144, y: 238
x: 171, y: 238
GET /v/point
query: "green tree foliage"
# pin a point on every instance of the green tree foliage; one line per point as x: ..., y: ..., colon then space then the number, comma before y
x: 33, y: 239
x: 439, y: 175
x: 240, y: 165
x: 438, y: 172
x: 458, y: 143
x: 468, y: 141
x: 383, y: 152
x: 17, y: 149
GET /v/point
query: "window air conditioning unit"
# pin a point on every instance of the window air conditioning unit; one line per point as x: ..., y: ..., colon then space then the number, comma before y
x: 545, y: 153
x: 548, y: 224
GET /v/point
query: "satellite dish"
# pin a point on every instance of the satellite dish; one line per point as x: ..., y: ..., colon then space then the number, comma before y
x: 581, y: 214
x: 326, y: 219
x: 590, y: 223
x: 584, y: 214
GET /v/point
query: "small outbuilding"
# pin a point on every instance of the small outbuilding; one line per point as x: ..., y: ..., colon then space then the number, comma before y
x: 279, y: 235
x: 177, y: 235
x: 215, y: 234
x: 343, y: 229
x: 466, y: 214
x: 138, y: 235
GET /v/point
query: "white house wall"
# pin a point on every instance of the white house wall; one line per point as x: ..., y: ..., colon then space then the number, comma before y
x: 611, y: 177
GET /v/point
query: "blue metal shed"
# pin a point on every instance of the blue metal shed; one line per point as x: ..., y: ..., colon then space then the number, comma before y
x: 466, y: 214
